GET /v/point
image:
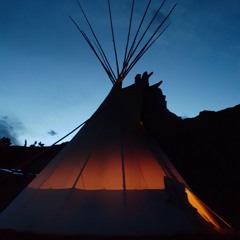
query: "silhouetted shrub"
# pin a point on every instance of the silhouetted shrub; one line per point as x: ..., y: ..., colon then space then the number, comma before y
x: 5, y: 142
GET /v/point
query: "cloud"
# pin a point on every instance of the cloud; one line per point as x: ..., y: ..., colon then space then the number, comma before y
x: 152, y: 11
x: 52, y: 132
x: 10, y: 128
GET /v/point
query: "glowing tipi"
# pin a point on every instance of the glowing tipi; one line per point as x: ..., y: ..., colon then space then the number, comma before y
x: 111, y: 179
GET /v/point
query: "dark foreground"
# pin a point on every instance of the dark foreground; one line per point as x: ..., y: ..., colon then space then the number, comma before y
x: 11, y: 235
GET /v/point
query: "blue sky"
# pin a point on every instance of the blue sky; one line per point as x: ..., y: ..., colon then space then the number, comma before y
x: 50, y: 81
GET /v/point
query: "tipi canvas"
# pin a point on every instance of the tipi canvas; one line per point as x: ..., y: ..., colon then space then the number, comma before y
x: 111, y: 179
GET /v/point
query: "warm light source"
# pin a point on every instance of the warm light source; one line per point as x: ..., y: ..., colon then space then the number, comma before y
x: 204, y: 211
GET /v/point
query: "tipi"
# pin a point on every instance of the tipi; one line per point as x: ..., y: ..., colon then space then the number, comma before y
x: 111, y: 179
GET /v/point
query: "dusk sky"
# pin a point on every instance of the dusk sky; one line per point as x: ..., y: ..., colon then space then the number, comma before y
x: 50, y: 81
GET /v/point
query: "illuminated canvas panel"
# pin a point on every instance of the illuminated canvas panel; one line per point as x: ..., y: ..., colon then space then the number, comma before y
x: 103, y: 171
x: 206, y: 213
x: 142, y: 171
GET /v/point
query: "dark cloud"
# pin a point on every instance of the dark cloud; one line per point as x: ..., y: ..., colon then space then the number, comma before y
x: 153, y: 9
x: 52, y: 132
x: 9, y: 128
x: 159, y: 18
